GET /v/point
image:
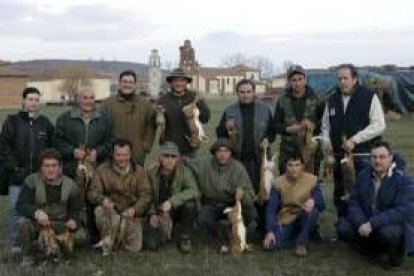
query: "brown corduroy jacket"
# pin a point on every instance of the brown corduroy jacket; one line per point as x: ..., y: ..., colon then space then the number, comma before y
x: 127, y: 190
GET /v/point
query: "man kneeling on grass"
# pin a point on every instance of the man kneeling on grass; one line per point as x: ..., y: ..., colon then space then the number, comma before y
x: 175, y: 193
x: 222, y: 180
x: 380, y: 217
x: 122, y: 193
x: 294, y: 205
x: 50, y: 205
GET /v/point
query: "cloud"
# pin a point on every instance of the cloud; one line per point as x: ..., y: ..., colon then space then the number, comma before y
x: 312, y: 49
x: 93, y: 22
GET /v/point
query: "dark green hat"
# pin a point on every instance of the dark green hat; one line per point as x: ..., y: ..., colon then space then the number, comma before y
x: 221, y: 142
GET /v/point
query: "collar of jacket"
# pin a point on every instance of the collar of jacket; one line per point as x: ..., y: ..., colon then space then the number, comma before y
x: 172, y: 94
x: 121, y: 98
x: 25, y: 115
x: 76, y: 113
x: 308, y: 92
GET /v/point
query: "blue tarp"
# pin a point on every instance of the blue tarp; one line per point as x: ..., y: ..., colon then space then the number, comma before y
x: 400, y: 86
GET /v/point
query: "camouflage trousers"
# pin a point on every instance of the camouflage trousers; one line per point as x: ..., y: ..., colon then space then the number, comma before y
x: 125, y: 232
x: 29, y: 233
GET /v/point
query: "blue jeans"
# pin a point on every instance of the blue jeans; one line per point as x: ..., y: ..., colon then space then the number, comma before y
x: 14, y: 191
x: 296, y: 233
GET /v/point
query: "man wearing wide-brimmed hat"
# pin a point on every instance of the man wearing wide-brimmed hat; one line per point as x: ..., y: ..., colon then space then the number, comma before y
x: 175, y: 194
x: 176, y: 129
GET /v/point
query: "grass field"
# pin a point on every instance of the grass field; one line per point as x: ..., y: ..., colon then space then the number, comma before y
x: 325, y: 258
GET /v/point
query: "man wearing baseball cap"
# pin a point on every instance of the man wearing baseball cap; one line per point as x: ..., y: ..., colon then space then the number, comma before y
x: 297, y: 108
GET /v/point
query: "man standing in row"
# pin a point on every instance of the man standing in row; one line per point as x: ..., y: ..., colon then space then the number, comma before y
x: 133, y: 116
x: 355, y: 112
x: 252, y: 120
x: 24, y: 136
x: 83, y: 133
x: 176, y: 128
x: 296, y: 109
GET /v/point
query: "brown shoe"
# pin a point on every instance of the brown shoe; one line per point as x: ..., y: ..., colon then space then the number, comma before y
x: 301, y: 251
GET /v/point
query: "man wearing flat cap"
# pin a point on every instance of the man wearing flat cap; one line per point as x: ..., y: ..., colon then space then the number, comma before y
x: 175, y: 194
x: 176, y: 128
x: 222, y: 179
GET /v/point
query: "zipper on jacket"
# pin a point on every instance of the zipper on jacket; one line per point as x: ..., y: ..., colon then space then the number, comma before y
x: 31, y: 147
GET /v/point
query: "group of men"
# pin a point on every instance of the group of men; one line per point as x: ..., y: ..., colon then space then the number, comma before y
x: 126, y: 206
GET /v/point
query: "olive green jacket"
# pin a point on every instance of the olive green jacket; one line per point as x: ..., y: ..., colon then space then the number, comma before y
x: 183, y: 189
x: 133, y: 120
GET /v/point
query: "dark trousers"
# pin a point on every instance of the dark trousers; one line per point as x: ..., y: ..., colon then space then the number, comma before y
x: 385, y: 240
x: 183, y: 217
x: 296, y: 233
x: 253, y: 168
x: 210, y: 216
x: 339, y: 188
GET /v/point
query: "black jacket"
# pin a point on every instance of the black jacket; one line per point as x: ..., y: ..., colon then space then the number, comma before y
x: 176, y: 129
x: 23, y: 139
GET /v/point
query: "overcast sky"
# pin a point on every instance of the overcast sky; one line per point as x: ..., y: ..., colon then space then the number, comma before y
x: 314, y: 33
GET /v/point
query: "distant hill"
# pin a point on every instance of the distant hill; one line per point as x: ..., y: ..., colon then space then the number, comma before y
x: 100, y: 66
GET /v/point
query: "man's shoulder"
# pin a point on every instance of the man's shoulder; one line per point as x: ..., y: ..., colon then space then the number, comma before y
x: 64, y: 116
x: 104, y: 167
x: 32, y: 180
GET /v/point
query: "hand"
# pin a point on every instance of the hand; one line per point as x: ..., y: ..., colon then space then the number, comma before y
x: 295, y: 128
x: 307, y: 124
x: 166, y: 206
x: 79, y: 153
x: 71, y: 224
x: 92, y: 155
x: 129, y: 213
x: 42, y: 218
x: 239, y: 194
x: 154, y: 221
x: 365, y: 229
x: 270, y: 241
x: 230, y: 124
x: 199, y: 99
x: 309, y: 205
x: 265, y: 143
x: 349, y: 145
x: 108, y: 204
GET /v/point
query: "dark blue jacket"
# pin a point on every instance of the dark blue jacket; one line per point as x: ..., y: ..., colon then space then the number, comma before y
x: 394, y: 203
x: 273, y: 206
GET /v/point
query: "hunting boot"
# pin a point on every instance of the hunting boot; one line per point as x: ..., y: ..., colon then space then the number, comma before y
x: 184, y: 244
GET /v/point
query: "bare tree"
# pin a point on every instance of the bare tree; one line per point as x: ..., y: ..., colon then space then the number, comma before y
x: 264, y: 64
x: 236, y: 59
x: 75, y: 76
x: 287, y: 64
